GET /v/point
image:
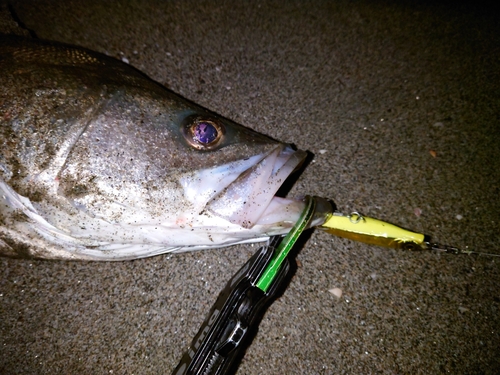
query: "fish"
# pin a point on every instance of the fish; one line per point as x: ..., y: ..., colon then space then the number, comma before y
x: 100, y: 162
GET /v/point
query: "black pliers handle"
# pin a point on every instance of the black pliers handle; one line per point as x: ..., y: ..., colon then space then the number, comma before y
x: 223, y: 335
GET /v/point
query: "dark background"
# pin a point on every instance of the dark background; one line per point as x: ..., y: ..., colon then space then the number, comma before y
x: 400, y: 104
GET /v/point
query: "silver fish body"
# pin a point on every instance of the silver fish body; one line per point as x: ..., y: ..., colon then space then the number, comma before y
x: 97, y: 161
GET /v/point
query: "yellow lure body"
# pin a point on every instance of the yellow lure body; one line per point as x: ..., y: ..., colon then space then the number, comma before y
x: 373, y: 231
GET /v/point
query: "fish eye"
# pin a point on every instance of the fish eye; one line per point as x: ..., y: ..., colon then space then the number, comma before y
x: 203, y: 134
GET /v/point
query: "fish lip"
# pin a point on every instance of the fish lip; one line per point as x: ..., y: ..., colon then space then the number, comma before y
x: 247, y: 199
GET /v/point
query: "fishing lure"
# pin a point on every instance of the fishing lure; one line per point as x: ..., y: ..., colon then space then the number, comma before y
x: 358, y: 227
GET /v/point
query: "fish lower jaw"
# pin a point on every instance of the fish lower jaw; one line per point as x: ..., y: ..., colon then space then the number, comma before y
x: 281, y: 213
x: 35, y: 237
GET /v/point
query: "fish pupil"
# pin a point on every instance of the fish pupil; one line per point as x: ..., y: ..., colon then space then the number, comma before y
x: 205, y: 132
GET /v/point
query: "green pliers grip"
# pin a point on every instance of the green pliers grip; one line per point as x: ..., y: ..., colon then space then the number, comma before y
x: 286, y: 245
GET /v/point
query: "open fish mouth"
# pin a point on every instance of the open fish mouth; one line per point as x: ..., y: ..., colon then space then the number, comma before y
x: 243, y: 192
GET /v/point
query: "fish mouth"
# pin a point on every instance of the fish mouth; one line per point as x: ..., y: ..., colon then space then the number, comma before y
x: 243, y: 192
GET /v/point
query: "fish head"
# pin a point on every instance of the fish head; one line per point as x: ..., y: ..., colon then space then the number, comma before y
x: 189, y: 179
x: 104, y: 163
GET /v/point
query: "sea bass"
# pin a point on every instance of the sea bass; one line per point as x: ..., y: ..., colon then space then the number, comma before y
x: 99, y: 162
